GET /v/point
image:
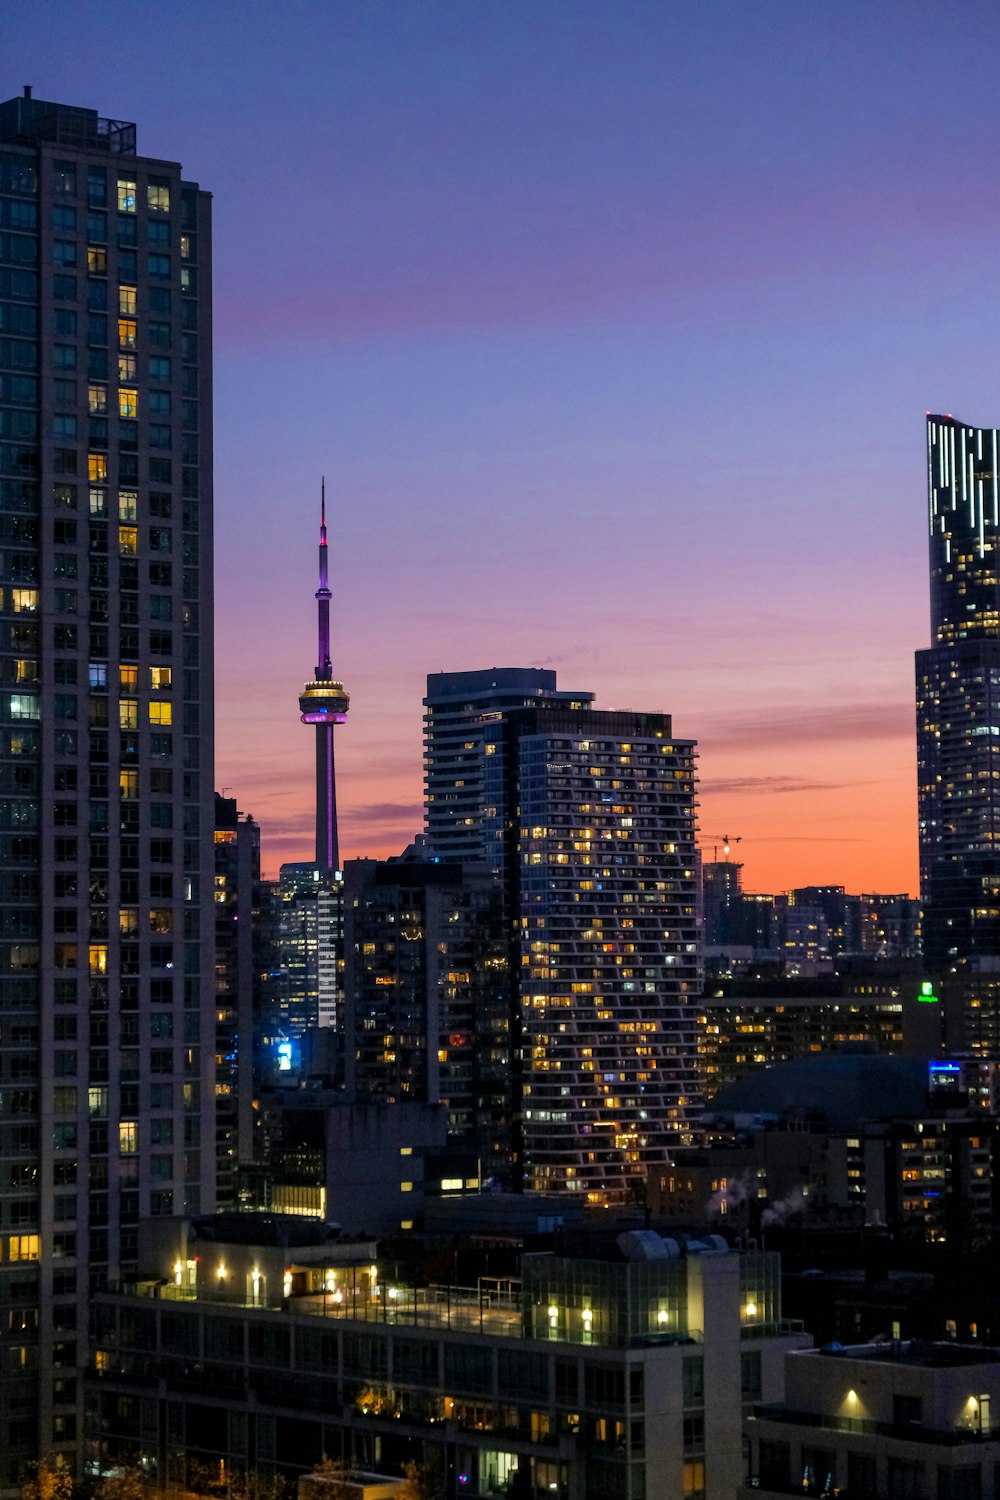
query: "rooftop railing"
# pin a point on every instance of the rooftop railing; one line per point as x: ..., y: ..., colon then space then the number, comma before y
x: 910, y: 1432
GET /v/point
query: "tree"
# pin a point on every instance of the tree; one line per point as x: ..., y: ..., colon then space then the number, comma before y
x: 414, y: 1486
x: 51, y: 1479
x: 123, y: 1484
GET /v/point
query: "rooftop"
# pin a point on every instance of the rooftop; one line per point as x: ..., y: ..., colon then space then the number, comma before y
x: 938, y: 1356
x: 26, y: 121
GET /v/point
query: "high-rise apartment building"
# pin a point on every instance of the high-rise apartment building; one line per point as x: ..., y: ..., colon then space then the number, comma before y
x: 107, y: 1022
x: 587, y: 820
x: 591, y: 829
x: 426, y: 1009
x: 462, y: 712
x: 958, y: 730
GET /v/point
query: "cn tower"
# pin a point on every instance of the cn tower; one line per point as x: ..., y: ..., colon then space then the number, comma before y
x: 324, y: 703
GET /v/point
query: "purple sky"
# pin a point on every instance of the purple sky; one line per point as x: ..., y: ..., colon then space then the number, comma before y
x: 612, y: 326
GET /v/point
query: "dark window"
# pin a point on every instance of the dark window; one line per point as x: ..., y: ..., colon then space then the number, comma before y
x: 907, y: 1409
x: 904, y: 1479
x: 750, y: 1375
x: 693, y: 1380
x: 965, y: 1482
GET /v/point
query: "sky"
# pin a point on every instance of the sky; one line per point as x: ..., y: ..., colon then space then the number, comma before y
x: 612, y: 325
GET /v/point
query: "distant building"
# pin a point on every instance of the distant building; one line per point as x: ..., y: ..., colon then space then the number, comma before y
x: 426, y: 1010
x: 748, y: 1025
x: 845, y: 1140
x: 806, y: 931
x: 302, y: 916
x: 462, y: 713
x: 236, y: 895
x: 958, y: 732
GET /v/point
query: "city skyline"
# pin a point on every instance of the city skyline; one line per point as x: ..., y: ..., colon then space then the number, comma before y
x: 629, y: 375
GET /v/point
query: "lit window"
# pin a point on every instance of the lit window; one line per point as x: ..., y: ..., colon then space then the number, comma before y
x: 128, y: 403
x: 128, y: 679
x: 128, y: 541
x: 126, y: 195
x: 126, y: 333
x: 128, y: 714
x: 126, y: 301
x: 97, y: 467
x: 128, y: 785
x: 128, y: 504
x: 98, y: 502
x: 97, y: 397
x: 98, y: 958
x: 161, y: 678
x: 128, y: 1137
x: 23, y: 706
x: 23, y: 1247
x: 161, y: 713
x: 126, y: 367
x: 158, y: 195
x: 23, y: 601
x: 97, y: 260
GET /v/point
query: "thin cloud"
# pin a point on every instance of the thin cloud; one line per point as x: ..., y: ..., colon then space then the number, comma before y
x: 378, y: 813
x: 784, y: 726
x: 782, y: 784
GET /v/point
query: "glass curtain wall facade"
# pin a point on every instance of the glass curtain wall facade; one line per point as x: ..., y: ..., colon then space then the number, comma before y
x: 958, y: 729
x: 106, y: 917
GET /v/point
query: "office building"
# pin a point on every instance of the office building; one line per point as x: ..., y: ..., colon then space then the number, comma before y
x: 463, y: 710
x: 886, y: 1418
x: 621, y: 1370
x: 107, y: 1018
x: 958, y: 732
x: 290, y: 985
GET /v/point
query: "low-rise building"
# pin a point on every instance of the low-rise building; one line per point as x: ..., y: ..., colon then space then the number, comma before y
x: 892, y: 1419
x: 622, y: 1374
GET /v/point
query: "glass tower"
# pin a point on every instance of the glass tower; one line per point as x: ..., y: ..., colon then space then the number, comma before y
x: 107, y: 1019
x: 958, y: 730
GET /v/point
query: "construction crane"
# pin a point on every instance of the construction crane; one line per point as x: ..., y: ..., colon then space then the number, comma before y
x: 725, y: 840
